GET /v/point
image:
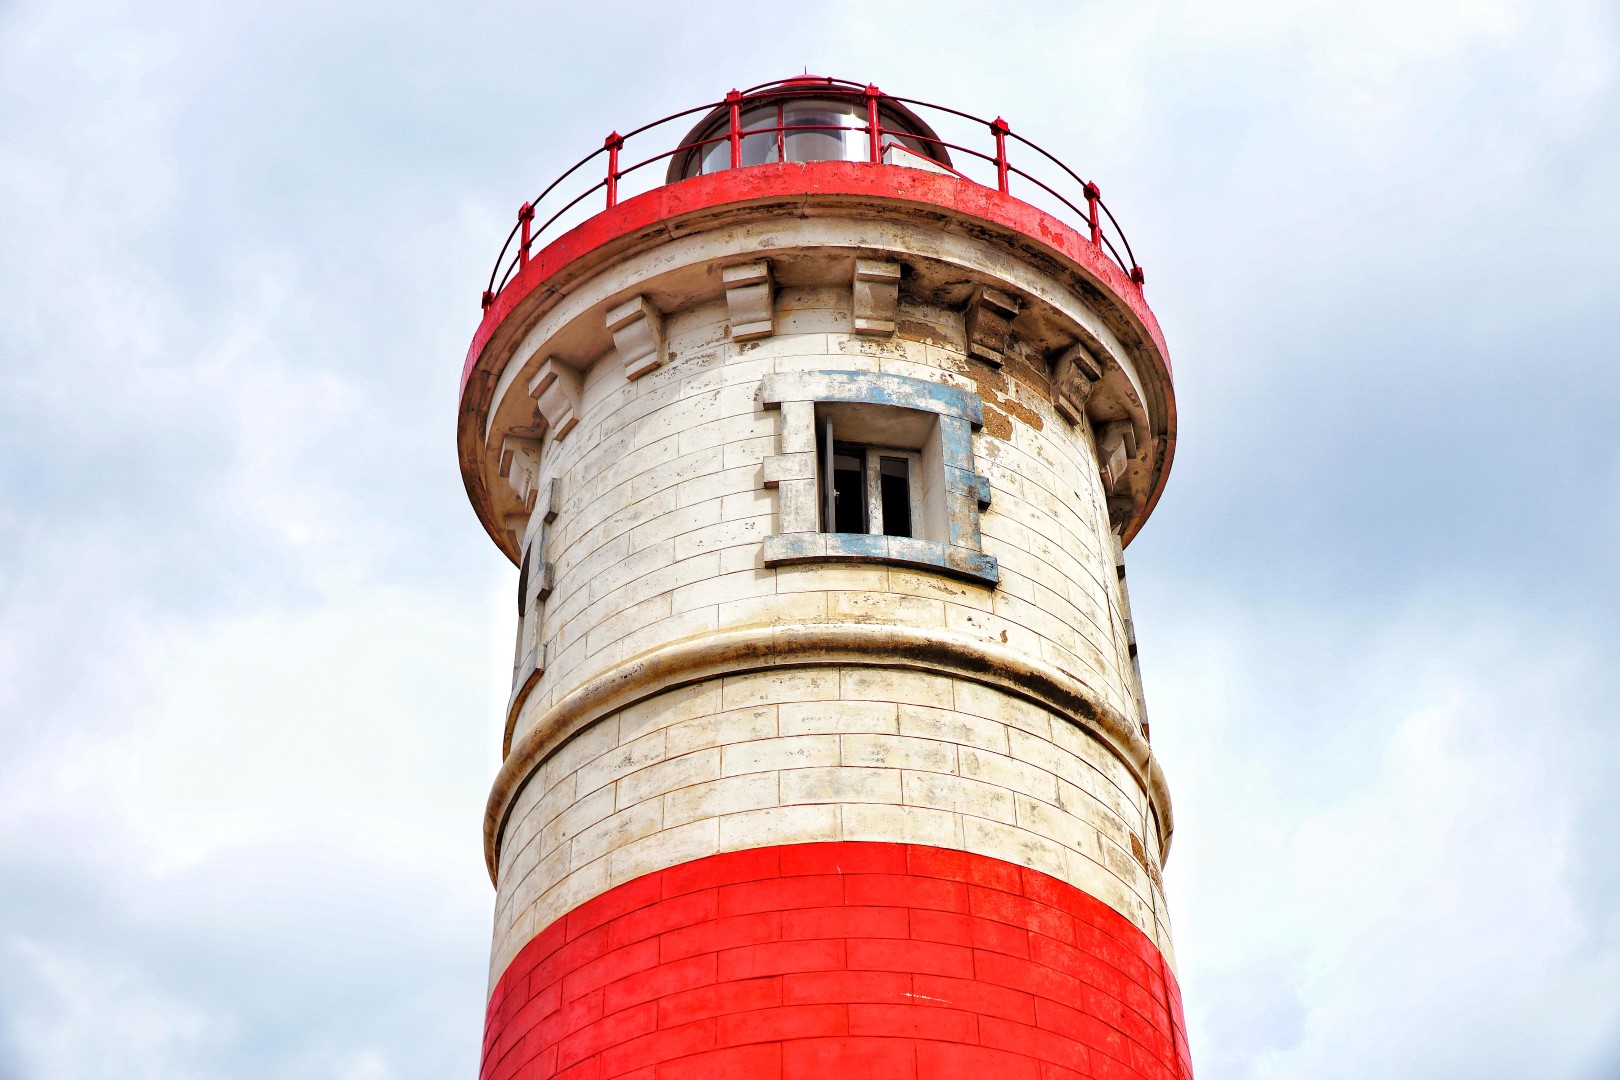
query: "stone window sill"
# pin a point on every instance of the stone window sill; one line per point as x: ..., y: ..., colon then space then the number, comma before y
x: 805, y: 547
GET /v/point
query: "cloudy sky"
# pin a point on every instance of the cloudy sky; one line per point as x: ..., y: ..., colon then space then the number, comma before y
x: 253, y: 641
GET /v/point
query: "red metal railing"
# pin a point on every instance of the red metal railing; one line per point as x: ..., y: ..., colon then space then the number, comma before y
x: 1052, y: 185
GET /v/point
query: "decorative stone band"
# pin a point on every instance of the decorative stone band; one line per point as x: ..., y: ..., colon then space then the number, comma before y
x: 860, y: 961
x: 728, y: 653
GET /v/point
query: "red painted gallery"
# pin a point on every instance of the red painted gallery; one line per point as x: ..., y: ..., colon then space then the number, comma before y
x: 817, y: 421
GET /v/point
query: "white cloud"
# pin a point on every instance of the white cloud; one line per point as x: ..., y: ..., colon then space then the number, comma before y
x: 1400, y: 910
x: 251, y: 639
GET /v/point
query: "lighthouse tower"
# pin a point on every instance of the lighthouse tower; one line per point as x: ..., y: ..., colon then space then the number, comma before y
x: 816, y: 421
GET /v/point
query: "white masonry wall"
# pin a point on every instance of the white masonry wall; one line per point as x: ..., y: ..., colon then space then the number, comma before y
x: 663, y: 509
x: 807, y: 754
x: 657, y: 538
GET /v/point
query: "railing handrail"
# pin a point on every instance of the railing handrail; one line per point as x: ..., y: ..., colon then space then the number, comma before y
x: 730, y: 109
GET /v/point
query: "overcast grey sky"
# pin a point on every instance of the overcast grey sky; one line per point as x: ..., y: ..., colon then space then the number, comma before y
x: 253, y: 643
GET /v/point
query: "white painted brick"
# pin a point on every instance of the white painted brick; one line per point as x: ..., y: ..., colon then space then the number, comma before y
x: 980, y: 700
x: 948, y: 726
x: 902, y: 824
x: 897, y: 608
x: 775, y: 686
x: 618, y: 829
x: 898, y: 685
x: 677, y: 522
x: 665, y: 848
x: 625, y: 620
x: 791, y: 752
x: 721, y: 728
x: 1008, y: 773
x: 838, y: 784
x: 1054, y: 824
x: 668, y: 578
x: 898, y: 752
x: 839, y: 717
x: 823, y: 577
x: 655, y: 780
x: 746, y: 556
x: 985, y: 837
x: 749, y: 451
x: 779, y: 825
x: 718, y: 798
x: 585, y: 812
x: 621, y: 761
x: 795, y: 608
x: 671, y: 706
x: 684, y: 624
x: 959, y: 794
x: 719, y: 590
x: 586, y: 745
x: 1043, y: 754
x: 723, y: 535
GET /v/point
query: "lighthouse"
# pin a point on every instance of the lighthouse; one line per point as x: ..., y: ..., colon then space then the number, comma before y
x: 816, y: 421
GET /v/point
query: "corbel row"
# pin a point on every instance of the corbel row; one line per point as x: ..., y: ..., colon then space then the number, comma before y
x: 751, y: 298
x: 1074, y: 377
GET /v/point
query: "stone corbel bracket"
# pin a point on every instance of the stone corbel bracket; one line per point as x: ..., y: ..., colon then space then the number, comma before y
x: 1089, y: 387
x: 520, y: 466
x: 1116, y: 449
x: 749, y: 300
x: 875, y: 296
x: 987, y: 321
x: 638, y: 336
x: 792, y: 472
x: 1077, y: 371
x: 555, y: 390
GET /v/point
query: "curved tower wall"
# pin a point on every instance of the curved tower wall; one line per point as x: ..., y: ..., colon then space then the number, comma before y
x: 778, y: 802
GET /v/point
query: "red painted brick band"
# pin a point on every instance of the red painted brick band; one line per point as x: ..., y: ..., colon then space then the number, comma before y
x: 839, y: 960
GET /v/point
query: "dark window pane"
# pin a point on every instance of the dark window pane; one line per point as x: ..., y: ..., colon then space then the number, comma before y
x: 849, y: 489
x: 895, y: 477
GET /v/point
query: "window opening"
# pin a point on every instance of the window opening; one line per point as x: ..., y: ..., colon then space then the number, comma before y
x: 894, y: 478
x: 865, y: 489
x: 847, y: 493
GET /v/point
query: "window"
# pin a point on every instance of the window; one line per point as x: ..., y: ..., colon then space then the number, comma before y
x: 876, y: 467
x: 867, y: 489
x: 797, y: 129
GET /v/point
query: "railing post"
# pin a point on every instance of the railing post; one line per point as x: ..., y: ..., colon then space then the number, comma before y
x: 614, y: 143
x: 999, y: 126
x: 734, y: 132
x: 1093, y: 197
x: 874, y: 131
x: 526, y: 220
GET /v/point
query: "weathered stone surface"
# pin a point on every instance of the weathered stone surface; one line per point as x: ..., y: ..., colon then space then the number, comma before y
x: 668, y: 496
x: 805, y: 754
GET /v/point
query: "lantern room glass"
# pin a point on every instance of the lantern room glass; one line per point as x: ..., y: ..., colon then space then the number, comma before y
x: 800, y: 129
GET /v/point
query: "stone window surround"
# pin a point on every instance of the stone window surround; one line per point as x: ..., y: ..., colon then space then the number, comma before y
x: 793, y: 472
